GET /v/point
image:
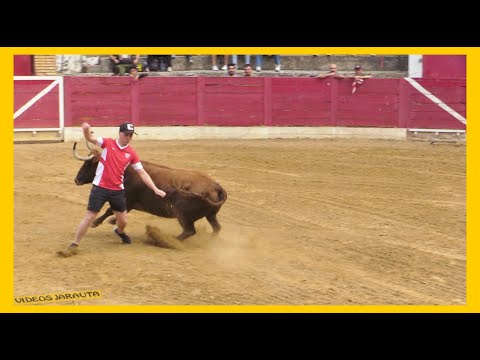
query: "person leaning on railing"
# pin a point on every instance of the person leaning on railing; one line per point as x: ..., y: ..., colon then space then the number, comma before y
x: 331, y: 73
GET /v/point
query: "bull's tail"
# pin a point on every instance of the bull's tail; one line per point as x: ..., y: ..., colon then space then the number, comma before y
x: 215, y: 199
x: 220, y: 198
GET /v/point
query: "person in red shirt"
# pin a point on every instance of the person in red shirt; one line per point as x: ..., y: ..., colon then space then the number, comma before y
x: 358, y: 78
x: 108, y: 182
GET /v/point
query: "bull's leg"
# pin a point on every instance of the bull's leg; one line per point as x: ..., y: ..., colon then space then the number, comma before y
x: 100, y: 219
x: 113, y: 219
x: 212, y: 219
x: 188, y: 229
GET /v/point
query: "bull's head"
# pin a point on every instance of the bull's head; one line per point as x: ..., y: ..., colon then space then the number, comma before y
x: 86, y: 174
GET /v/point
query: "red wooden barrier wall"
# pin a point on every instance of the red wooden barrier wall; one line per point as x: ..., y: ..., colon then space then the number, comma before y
x: 23, y: 65
x: 262, y: 101
x: 423, y: 112
x: 445, y: 66
x: 42, y: 114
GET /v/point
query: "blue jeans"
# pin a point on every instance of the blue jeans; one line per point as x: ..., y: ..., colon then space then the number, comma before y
x: 259, y: 60
x: 235, y: 59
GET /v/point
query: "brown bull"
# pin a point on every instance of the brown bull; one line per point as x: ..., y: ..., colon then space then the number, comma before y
x: 191, y: 194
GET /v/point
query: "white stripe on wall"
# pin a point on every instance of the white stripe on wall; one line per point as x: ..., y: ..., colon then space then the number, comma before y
x: 33, y: 100
x: 437, y: 101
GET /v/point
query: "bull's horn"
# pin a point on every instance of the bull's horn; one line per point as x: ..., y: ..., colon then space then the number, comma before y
x: 88, y: 145
x: 83, y: 158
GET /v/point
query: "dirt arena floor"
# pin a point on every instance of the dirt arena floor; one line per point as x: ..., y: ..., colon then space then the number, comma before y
x: 307, y: 222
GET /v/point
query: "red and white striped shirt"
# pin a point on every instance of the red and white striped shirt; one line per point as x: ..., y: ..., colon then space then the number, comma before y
x: 113, y: 162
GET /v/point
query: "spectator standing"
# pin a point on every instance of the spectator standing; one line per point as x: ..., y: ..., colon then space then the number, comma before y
x: 214, y: 62
x: 159, y: 62
x: 235, y: 59
x: 259, y: 61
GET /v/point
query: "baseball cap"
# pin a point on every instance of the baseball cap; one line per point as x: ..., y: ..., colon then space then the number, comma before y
x: 127, y: 128
x: 357, y: 67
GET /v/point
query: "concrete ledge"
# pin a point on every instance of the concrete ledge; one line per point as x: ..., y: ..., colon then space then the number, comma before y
x: 289, y: 62
x: 37, y: 136
x: 263, y: 73
x: 256, y: 132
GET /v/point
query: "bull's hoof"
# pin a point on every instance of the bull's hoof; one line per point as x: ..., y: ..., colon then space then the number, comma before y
x: 94, y: 224
x: 185, y: 235
x: 112, y: 221
x: 157, y: 238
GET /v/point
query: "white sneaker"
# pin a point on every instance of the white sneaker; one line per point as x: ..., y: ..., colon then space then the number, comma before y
x: 215, y: 68
x: 169, y: 69
x: 277, y: 68
x: 258, y: 68
x: 224, y: 67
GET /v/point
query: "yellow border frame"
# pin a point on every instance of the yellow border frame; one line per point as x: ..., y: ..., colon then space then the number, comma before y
x: 473, y: 177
